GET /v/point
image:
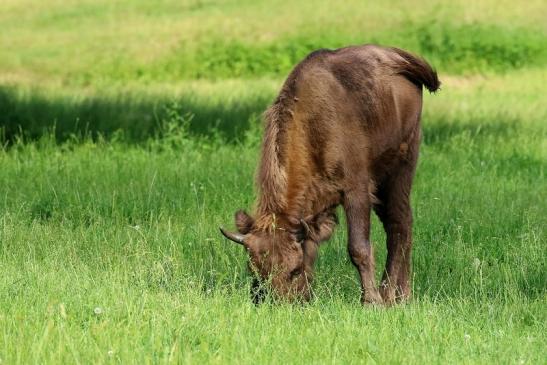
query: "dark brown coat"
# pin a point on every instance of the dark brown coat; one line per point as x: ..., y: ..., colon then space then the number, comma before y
x: 345, y: 129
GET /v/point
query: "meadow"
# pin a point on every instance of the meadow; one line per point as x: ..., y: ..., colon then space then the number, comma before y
x: 130, y: 132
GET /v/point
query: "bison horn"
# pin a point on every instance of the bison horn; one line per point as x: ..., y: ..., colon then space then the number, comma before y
x: 236, y: 237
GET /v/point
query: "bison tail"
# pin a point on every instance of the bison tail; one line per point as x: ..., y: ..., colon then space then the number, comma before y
x: 417, y: 70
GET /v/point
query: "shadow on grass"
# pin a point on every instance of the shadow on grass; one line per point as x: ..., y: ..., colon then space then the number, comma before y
x: 135, y: 118
x: 33, y: 115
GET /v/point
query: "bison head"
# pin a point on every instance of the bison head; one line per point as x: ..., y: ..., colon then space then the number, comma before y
x: 282, y: 252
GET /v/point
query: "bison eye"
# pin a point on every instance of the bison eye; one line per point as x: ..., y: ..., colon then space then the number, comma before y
x: 293, y: 274
x: 299, y: 236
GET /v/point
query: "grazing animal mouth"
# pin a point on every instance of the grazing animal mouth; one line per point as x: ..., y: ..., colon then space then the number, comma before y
x: 258, y: 292
x: 261, y: 291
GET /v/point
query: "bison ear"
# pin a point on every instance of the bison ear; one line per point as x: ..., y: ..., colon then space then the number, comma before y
x: 325, y: 225
x: 321, y: 227
x: 244, y: 222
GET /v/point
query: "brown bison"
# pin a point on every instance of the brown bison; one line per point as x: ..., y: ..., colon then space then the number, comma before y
x: 345, y: 129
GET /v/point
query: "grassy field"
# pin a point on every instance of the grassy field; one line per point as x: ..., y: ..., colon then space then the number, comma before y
x: 130, y: 132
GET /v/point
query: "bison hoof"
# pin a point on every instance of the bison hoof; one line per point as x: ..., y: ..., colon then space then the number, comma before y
x: 392, y: 295
x: 372, y: 297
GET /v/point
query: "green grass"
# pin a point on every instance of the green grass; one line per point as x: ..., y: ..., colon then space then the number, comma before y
x: 84, y: 66
x: 132, y: 229
x: 100, y: 42
x: 129, y: 136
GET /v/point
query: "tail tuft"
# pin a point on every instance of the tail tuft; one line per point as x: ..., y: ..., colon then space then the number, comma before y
x: 417, y: 70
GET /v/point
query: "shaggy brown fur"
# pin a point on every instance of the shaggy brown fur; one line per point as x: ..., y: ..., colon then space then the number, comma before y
x: 345, y: 129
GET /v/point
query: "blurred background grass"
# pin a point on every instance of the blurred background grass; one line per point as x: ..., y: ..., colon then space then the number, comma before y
x: 99, y: 66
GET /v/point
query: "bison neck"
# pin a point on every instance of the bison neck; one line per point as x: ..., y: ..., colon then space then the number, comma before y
x: 294, y: 178
x: 305, y: 191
